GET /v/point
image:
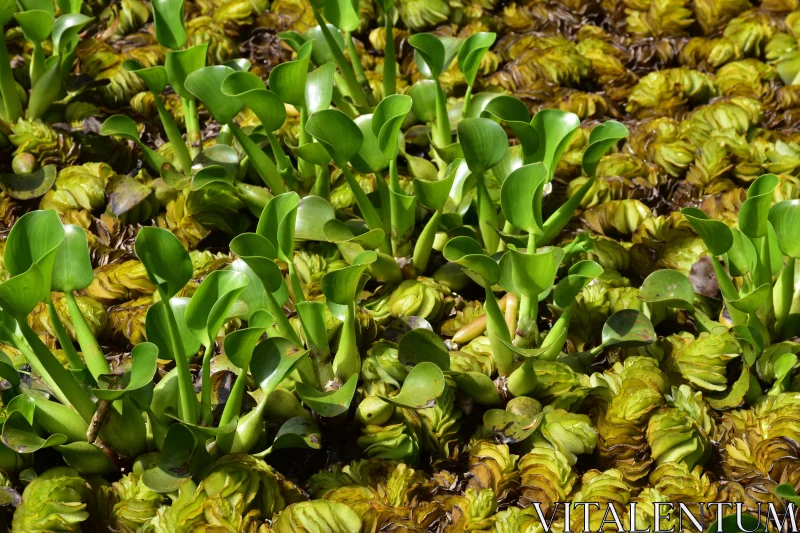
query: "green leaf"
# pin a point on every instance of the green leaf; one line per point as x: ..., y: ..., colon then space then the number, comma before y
x: 423, y: 95
x: 313, y: 213
x: 515, y: 114
x: 330, y: 403
x: 72, y: 270
x: 251, y: 91
x: 628, y: 328
x: 555, y: 129
x: 788, y: 493
x: 471, y: 54
x: 533, y: 273
x: 479, y: 387
x: 785, y: 219
x: 34, y: 239
x: 124, y: 193
x: 670, y: 288
x: 387, y: 120
x: 20, y: 435
x: 341, y: 286
x: 433, y: 53
x: 36, y: 24
x: 319, y: 88
x: 157, y: 328
x: 518, y: 196
x: 742, y: 257
x: 124, y: 126
x: 29, y: 186
x: 579, y: 276
x: 206, y: 84
x: 434, y: 194
x: 370, y: 157
x: 212, y: 304
x: 144, y: 363
x: 730, y: 524
x: 337, y: 132
x: 601, y: 139
x: 751, y: 302
x: 510, y: 427
x: 298, y: 432
x: 181, y: 63
x: 754, y: 213
x: 87, y: 458
x: 168, y: 19
x: 20, y: 294
x: 174, y: 464
x: 154, y: 77
x: 288, y: 80
x: 65, y: 32
x: 484, y: 143
x: 277, y: 223
x: 423, y: 345
x: 715, y: 234
x: 240, y: 344
x: 424, y: 383
x: 258, y: 254
x: 321, y: 52
x: 337, y: 231
x: 46, y: 91
x: 167, y: 263
x: 343, y: 14
x: 273, y: 360
x: 468, y: 253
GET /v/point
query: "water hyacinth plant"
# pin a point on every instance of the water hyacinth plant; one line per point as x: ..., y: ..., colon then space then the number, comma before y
x: 376, y: 266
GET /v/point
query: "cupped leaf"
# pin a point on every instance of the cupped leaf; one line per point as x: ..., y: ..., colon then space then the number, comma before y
x: 518, y: 196
x: 312, y: 215
x: 423, y: 345
x: 298, y: 432
x: 167, y: 263
x: 742, y: 257
x: 484, y: 143
x: 288, y: 80
x: 579, y: 276
x: 471, y: 54
x: 670, y: 288
x: 754, y: 213
x: 34, y: 239
x: 788, y: 493
x: 46, y: 90
x: 259, y: 254
x: 434, y: 194
x: 468, y: 253
x: 181, y: 63
x: 144, y: 363
x: 174, y: 466
x: 212, y: 303
x: 206, y: 84
x: 601, y: 139
x: 433, y: 54
x: 72, y: 270
x: 337, y: 132
x: 329, y: 403
x: 20, y: 294
x: 370, y: 158
x: 158, y: 332
x: 715, y: 234
x: 423, y: 95
x: 533, y: 273
x: 340, y: 286
x: 751, y: 302
x: 337, y: 231
x: 555, y: 129
x: 423, y: 384
x: 277, y: 223
x: 168, y: 18
x: 30, y: 185
x: 154, y: 77
x: 628, y: 328
x: 515, y: 114
x: 785, y: 219
x: 65, y: 32
x: 251, y: 91
x: 479, y: 387
x: 273, y: 360
x: 36, y: 24
x: 387, y: 120
x: 319, y: 88
x: 20, y: 435
x: 87, y: 458
x: 511, y: 427
x: 240, y: 344
x: 343, y: 14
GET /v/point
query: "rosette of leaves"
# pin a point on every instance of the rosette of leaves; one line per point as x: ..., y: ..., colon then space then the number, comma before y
x: 493, y: 466
x: 134, y: 503
x: 702, y: 361
x: 605, y: 488
x: 308, y: 517
x: 546, y: 477
x: 422, y: 297
x: 441, y: 425
x: 669, y: 91
x: 54, y: 501
x: 79, y: 187
x: 681, y: 432
x: 569, y: 433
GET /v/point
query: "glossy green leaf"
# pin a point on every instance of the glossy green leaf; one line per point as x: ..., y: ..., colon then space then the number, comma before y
x: 329, y: 403
x: 259, y: 254
x: 277, y: 223
x: 144, y: 363
x: 124, y: 126
x: 343, y: 14
x: 341, y: 286
x: 510, y: 427
x: 174, y: 464
x: 206, y: 84
x: 730, y: 524
x: 45, y: 92
x: 339, y: 232
x: 423, y: 345
x: 370, y: 157
x: 670, y: 288
x: 471, y: 54
x: 251, y: 91
x: 168, y: 18
x: 752, y: 301
x: 20, y: 294
x: 483, y: 142
x: 211, y: 304
x: 434, y: 194
x: 167, y: 263
x: 181, y: 63
x: 288, y: 80
x: 319, y: 88
x: 788, y: 493
x: 433, y: 54
x: 29, y: 186
x: 715, y: 234
x: 742, y: 257
x: 533, y: 273
x: 255, y: 294
x: 321, y: 52
x: 20, y: 435
x: 87, y: 458
x: 337, y: 132
x: 468, y: 253
x: 312, y: 215
x: 34, y: 239
x: 601, y: 139
x: 518, y: 196
x: 479, y: 387
x: 579, y: 276
x: 36, y: 24
x: 387, y: 120
x: 72, y: 270
x: 785, y: 218
x: 298, y: 432
x: 157, y: 328
x: 754, y: 213
x: 65, y: 31
x: 515, y: 114
x: 423, y: 95
x: 240, y: 344
x: 555, y: 129
x: 628, y: 328
x: 423, y: 384
x: 274, y: 359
